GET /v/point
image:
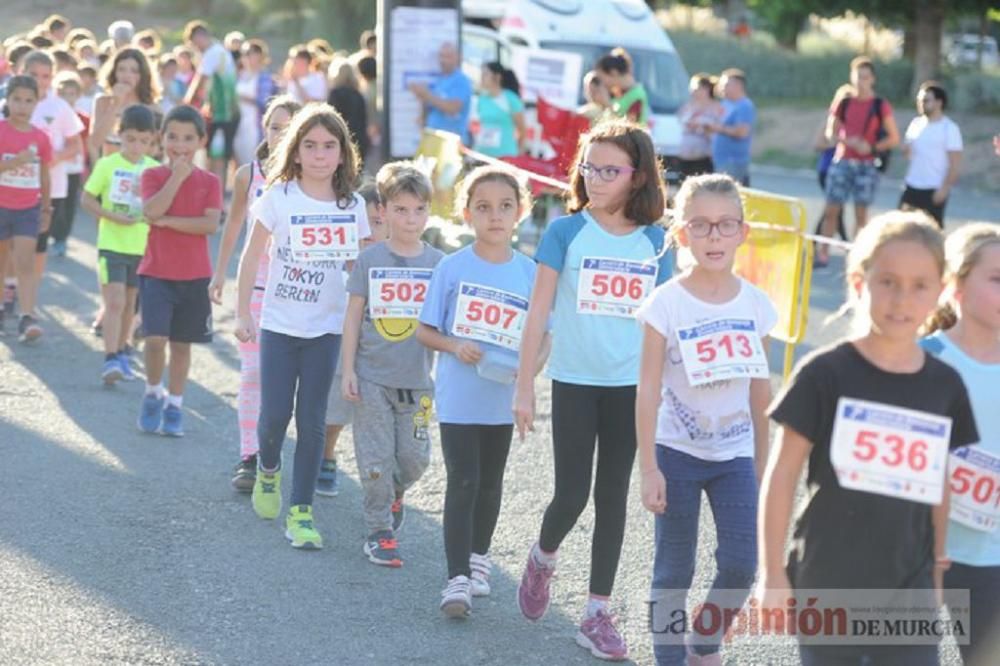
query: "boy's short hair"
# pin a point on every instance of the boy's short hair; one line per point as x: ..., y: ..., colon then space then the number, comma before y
x: 936, y: 89
x: 193, y: 28
x: 37, y: 58
x: 186, y: 114
x: 56, y: 22
x: 87, y: 70
x: 863, y: 61
x: 138, y: 117
x: 63, y: 57
x: 402, y: 177
x: 735, y: 73
x: 64, y: 79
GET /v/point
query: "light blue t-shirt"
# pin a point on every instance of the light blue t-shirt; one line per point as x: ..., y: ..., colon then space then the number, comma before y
x: 728, y: 149
x: 596, y: 349
x: 462, y: 395
x: 982, y: 380
x: 453, y: 86
x: 497, y: 136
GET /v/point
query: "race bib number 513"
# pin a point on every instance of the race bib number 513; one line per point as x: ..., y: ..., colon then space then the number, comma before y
x: 722, y: 349
x: 324, y: 237
x: 890, y: 450
x: 490, y: 315
x: 613, y: 287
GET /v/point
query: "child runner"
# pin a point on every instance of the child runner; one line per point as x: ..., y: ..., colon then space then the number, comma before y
x: 25, y: 208
x: 704, y: 371
x: 385, y: 370
x: 875, y: 416
x: 596, y: 267
x: 182, y: 204
x: 339, y: 412
x: 967, y: 337
x: 68, y: 86
x: 248, y: 186
x: 121, y: 233
x: 313, y: 222
x: 474, y: 314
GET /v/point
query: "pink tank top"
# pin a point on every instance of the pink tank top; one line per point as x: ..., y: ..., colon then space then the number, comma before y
x: 254, y: 192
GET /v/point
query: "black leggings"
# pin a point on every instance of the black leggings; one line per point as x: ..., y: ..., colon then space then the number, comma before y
x: 581, y: 415
x: 475, y: 457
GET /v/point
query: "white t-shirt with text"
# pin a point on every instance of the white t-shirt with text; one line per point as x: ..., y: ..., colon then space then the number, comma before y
x: 54, y: 116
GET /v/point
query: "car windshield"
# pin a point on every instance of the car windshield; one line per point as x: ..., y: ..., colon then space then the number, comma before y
x: 660, y: 72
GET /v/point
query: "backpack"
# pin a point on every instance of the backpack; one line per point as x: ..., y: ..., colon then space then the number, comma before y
x: 881, y: 157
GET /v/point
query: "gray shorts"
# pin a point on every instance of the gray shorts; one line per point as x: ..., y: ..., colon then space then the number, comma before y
x: 338, y: 411
x: 20, y: 222
x: 117, y: 268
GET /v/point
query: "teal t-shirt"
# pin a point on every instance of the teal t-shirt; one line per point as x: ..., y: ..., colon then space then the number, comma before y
x: 497, y: 136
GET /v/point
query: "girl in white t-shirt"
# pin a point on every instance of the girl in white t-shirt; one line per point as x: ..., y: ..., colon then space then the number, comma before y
x: 704, y: 385
x: 315, y: 222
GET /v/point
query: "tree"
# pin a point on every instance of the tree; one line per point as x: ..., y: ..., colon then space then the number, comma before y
x: 786, y: 18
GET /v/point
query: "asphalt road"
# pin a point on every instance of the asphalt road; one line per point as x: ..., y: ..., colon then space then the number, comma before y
x: 119, y: 548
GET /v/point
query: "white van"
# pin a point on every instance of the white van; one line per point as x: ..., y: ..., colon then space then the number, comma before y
x: 494, y: 29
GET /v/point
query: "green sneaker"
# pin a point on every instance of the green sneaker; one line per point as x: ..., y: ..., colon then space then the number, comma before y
x: 299, y: 528
x: 266, y: 495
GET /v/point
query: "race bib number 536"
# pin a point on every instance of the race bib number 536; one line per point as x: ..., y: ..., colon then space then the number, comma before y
x: 613, y: 287
x: 490, y: 315
x: 324, y: 237
x: 890, y: 450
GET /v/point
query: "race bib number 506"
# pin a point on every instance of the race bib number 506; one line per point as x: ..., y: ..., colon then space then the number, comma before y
x: 324, y: 237
x: 613, y: 287
x: 890, y: 450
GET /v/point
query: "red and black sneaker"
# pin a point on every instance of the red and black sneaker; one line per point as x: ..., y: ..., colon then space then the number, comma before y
x: 398, y: 514
x: 382, y: 549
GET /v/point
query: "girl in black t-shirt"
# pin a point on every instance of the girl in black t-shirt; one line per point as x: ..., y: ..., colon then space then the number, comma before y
x: 874, y: 416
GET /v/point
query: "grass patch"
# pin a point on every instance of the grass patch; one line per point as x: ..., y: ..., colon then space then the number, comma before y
x: 786, y: 159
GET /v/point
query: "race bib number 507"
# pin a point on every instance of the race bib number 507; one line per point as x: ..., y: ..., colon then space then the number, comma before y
x: 975, y: 488
x: 890, y: 450
x: 490, y: 315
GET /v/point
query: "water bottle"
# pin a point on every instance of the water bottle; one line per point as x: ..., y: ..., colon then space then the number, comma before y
x: 497, y: 366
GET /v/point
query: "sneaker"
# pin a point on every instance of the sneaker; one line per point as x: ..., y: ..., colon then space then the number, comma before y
x: 398, y: 514
x: 10, y: 298
x: 480, y: 578
x: 300, y: 530
x: 533, y: 590
x: 173, y: 421
x: 328, y: 483
x: 456, y: 598
x: 695, y: 659
x: 97, y: 328
x: 600, y: 635
x: 126, y: 367
x: 245, y: 474
x: 112, y: 372
x: 59, y: 248
x: 151, y: 414
x: 266, y: 497
x: 381, y: 548
x: 28, y: 330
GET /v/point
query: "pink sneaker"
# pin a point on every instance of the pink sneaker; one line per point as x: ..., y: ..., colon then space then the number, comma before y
x: 533, y: 591
x: 599, y: 635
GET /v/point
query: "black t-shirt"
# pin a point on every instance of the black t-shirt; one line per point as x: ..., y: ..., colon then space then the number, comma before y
x: 351, y: 106
x: 852, y: 539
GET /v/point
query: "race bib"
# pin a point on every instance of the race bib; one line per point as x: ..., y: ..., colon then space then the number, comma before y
x: 975, y: 488
x: 125, y: 191
x: 324, y: 237
x: 489, y: 137
x: 722, y: 349
x: 890, y: 450
x: 613, y: 287
x: 490, y: 315
x: 25, y: 177
x: 397, y: 292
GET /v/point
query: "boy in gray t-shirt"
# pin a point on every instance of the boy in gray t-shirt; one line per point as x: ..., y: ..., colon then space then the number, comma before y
x: 385, y: 370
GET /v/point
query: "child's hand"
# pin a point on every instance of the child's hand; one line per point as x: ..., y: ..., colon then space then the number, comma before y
x: 654, y: 491
x: 468, y: 352
x: 46, y: 218
x: 22, y: 158
x: 182, y: 168
x: 349, y: 387
x: 215, y: 288
x: 773, y: 590
x: 524, y: 410
x: 245, y: 331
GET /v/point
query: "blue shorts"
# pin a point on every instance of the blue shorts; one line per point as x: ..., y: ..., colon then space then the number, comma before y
x: 20, y: 222
x: 852, y: 179
x: 176, y: 309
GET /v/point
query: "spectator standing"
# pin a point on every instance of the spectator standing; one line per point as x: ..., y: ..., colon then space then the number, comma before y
x: 500, y: 112
x: 933, y: 144
x: 701, y: 112
x: 732, y: 136
x: 121, y: 33
x: 447, y: 102
x: 303, y: 81
x: 628, y: 97
x: 346, y: 98
x: 254, y: 87
x: 597, y: 96
x: 862, y: 126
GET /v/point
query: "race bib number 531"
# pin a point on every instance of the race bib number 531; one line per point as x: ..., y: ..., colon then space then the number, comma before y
x: 324, y: 237
x: 890, y: 450
x: 613, y: 287
x: 490, y: 315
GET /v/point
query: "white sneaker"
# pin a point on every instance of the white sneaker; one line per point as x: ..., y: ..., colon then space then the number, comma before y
x: 480, y: 579
x: 456, y: 598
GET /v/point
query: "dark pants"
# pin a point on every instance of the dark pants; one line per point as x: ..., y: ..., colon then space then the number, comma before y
x: 695, y: 167
x: 63, y: 215
x: 475, y: 457
x: 585, y: 418
x: 875, y: 655
x: 924, y: 200
x: 983, y: 584
x: 295, y: 373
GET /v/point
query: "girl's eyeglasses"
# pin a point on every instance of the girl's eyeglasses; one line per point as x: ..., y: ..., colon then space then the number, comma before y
x: 699, y: 227
x: 607, y: 173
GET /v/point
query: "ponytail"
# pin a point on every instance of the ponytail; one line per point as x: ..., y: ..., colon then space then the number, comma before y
x: 941, y: 319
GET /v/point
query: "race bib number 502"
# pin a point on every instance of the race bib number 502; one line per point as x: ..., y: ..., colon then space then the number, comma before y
x: 397, y: 293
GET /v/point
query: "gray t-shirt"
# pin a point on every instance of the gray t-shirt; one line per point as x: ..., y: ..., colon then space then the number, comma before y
x: 388, y: 351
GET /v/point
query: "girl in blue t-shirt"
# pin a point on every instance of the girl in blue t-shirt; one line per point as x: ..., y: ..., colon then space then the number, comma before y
x: 595, y: 267
x: 966, y: 335
x: 474, y: 313
x: 500, y: 112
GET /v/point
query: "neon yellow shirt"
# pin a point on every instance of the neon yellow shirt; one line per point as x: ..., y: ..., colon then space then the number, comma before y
x: 116, y: 181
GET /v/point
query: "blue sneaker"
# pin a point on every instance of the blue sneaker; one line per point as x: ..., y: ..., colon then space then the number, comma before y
x: 112, y: 372
x: 126, y: 367
x: 173, y: 422
x: 151, y: 414
x: 59, y: 248
x: 328, y: 483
